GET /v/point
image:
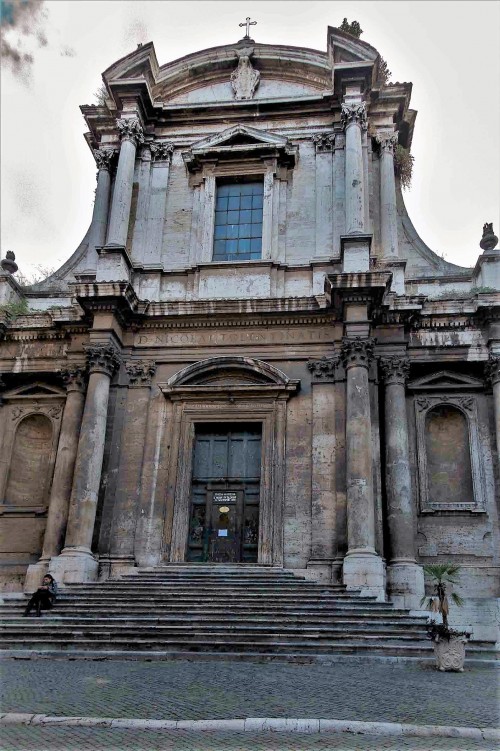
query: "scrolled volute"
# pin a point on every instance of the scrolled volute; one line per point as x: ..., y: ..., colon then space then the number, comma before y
x: 357, y: 352
x: 130, y: 130
x: 395, y: 369
x: 102, y: 359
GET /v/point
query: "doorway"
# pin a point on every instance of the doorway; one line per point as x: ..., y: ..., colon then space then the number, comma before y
x: 225, y: 493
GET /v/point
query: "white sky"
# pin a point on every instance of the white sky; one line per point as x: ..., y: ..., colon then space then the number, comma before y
x: 449, y: 50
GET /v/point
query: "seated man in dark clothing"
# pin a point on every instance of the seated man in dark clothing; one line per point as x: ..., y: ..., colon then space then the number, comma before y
x: 44, y: 596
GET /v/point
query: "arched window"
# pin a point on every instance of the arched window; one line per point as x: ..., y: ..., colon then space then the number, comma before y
x: 29, y: 467
x: 449, y: 472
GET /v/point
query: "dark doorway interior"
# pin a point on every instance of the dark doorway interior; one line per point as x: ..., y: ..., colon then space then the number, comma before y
x: 225, y: 490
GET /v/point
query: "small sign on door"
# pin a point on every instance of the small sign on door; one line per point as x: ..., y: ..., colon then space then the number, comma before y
x: 222, y: 533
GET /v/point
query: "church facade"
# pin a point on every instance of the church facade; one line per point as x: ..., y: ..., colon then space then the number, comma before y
x: 252, y: 357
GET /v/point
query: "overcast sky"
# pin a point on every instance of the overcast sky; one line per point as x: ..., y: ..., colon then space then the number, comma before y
x: 449, y: 50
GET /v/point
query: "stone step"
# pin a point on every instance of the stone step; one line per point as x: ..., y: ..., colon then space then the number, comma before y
x: 187, y: 618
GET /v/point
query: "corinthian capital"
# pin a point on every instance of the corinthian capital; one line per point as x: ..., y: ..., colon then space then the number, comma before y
x: 492, y: 369
x: 324, y: 142
x: 354, y: 113
x: 161, y: 151
x: 103, y: 158
x: 387, y: 141
x: 395, y: 369
x: 102, y: 359
x: 357, y: 352
x: 323, y: 371
x: 130, y: 130
x: 140, y: 373
x: 74, y: 378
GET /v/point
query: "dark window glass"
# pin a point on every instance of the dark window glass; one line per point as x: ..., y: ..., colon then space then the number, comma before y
x: 238, y: 222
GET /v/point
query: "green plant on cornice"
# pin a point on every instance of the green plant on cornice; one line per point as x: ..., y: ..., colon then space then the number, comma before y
x: 15, y: 309
x: 403, y: 164
x: 384, y: 73
x: 353, y: 28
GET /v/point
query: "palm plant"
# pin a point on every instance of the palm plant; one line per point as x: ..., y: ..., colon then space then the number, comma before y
x: 442, y: 574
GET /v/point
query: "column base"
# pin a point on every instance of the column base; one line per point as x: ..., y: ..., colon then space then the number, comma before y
x: 114, y: 566
x: 74, y: 566
x: 320, y: 569
x: 405, y: 584
x: 365, y: 570
x: 35, y: 573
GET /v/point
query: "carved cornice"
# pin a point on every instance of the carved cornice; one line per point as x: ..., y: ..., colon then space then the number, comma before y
x: 354, y: 114
x: 74, y: 378
x: 323, y: 371
x: 324, y: 142
x: 140, y: 373
x: 387, y: 142
x: 103, y: 158
x: 395, y: 369
x: 492, y: 369
x: 102, y: 359
x: 161, y: 151
x: 130, y: 130
x: 357, y: 352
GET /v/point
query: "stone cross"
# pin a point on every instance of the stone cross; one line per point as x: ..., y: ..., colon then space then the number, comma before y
x: 248, y: 23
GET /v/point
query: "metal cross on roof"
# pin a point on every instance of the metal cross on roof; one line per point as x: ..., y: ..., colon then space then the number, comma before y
x: 248, y: 23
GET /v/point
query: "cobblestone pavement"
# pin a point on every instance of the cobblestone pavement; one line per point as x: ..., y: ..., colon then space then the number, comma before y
x: 17, y: 738
x: 183, y: 690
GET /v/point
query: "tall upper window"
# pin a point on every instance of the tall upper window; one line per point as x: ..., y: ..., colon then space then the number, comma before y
x: 238, y: 221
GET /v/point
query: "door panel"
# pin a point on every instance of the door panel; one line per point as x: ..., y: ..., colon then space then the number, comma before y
x: 226, y: 474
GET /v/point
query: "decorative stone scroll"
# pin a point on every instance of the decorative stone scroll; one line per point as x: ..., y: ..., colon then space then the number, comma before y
x: 324, y: 142
x: 140, y: 373
x: 161, y: 151
x: 492, y: 369
x: 245, y: 79
x: 103, y: 158
x: 74, y: 378
x: 357, y: 352
x: 323, y: 371
x: 395, y: 369
x: 102, y: 359
x: 131, y: 130
x: 387, y: 141
x: 354, y: 113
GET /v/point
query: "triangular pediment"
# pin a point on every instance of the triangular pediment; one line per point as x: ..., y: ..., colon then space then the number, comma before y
x: 345, y: 48
x: 36, y: 390
x: 236, y: 136
x: 445, y: 380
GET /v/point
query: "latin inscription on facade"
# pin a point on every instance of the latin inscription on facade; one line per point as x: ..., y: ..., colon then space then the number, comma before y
x: 238, y: 336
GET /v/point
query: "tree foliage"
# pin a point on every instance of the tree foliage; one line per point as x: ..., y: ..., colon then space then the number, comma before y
x: 403, y: 164
x: 353, y: 28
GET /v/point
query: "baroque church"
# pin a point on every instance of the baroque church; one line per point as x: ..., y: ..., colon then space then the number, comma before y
x: 252, y: 357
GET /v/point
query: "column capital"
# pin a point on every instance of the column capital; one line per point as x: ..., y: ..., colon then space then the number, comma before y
x: 130, y: 130
x: 323, y: 371
x: 324, y: 142
x: 103, y: 158
x: 140, y: 373
x: 492, y: 369
x: 354, y: 114
x: 74, y: 378
x: 395, y: 369
x: 387, y: 141
x: 161, y: 151
x: 357, y: 352
x: 102, y: 358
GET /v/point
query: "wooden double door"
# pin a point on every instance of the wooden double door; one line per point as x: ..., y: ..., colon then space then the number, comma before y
x: 225, y: 493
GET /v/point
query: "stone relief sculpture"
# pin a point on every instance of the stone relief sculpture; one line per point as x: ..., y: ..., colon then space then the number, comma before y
x: 245, y: 79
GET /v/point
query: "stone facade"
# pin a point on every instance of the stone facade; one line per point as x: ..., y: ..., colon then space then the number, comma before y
x: 342, y: 351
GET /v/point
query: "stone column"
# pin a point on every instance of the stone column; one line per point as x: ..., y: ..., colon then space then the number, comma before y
x: 103, y: 159
x: 57, y: 518
x: 354, y: 121
x: 324, y: 144
x: 363, y: 568
x: 161, y: 155
x: 131, y: 134
x: 493, y: 374
x: 323, y: 507
x: 388, y: 215
x: 76, y: 562
x: 125, y: 509
x: 405, y: 580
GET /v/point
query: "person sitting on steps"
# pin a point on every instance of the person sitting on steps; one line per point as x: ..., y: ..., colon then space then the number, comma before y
x: 45, y: 596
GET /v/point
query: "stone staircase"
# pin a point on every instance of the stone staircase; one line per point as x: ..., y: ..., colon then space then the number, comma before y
x: 188, y: 610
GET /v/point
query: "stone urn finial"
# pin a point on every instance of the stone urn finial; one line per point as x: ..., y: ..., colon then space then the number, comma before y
x: 8, y: 263
x: 489, y: 240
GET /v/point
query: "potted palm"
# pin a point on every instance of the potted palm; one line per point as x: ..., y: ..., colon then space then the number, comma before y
x: 449, y: 644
